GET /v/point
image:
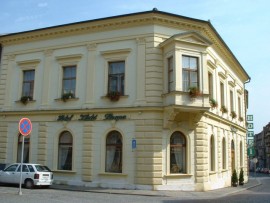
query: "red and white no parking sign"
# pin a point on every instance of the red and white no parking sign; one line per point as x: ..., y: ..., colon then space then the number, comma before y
x: 25, y: 126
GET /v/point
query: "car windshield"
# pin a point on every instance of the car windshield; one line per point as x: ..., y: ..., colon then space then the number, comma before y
x: 42, y: 168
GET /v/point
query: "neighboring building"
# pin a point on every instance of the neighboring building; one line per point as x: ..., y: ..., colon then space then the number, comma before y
x: 262, y: 147
x: 111, y: 105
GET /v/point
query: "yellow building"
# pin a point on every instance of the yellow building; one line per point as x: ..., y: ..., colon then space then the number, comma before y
x: 148, y: 100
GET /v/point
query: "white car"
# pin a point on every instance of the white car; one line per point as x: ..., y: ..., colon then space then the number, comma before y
x: 32, y: 175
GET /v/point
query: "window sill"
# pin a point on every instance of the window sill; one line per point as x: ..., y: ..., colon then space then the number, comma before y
x: 30, y: 101
x: 71, y: 99
x: 212, y: 172
x: 178, y: 175
x: 113, y: 174
x: 122, y: 96
x: 63, y: 171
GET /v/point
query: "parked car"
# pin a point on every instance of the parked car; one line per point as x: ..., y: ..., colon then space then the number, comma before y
x: 32, y: 175
x: 3, y: 166
x: 266, y: 170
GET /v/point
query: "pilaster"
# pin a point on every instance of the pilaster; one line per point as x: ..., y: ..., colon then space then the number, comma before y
x: 42, y: 143
x: 87, y: 164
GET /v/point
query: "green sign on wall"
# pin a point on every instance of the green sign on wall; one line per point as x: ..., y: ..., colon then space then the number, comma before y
x: 251, y: 151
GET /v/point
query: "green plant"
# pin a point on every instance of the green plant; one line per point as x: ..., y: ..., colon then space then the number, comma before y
x: 241, y: 177
x: 194, y: 92
x: 223, y: 109
x: 233, y: 114
x: 234, y: 179
x: 213, y: 103
x: 241, y: 118
x: 25, y: 99
x: 66, y: 96
x: 114, y: 95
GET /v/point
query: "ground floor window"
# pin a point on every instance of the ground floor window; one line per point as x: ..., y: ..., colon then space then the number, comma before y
x: 178, y: 153
x: 26, y: 149
x: 65, y: 151
x: 113, y: 162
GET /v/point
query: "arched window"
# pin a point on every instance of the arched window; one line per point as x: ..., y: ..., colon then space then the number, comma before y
x: 224, y: 153
x: 212, y: 153
x: 241, y: 154
x: 178, y: 153
x: 114, y: 152
x: 26, y: 149
x: 65, y: 151
x: 232, y: 156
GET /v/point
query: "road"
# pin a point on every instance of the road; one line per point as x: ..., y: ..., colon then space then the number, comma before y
x: 9, y: 194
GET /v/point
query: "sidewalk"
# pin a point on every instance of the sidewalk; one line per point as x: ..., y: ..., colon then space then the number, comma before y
x: 253, y: 182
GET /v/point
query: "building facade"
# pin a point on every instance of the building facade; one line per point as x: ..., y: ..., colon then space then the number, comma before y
x: 262, y: 147
x: 147, y: 100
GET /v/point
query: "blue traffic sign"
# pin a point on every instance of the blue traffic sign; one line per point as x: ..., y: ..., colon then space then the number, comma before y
x: 25, y: 126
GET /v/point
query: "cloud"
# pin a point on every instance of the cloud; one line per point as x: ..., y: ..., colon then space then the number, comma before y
x: 42, y: 4
x: 27, y: 18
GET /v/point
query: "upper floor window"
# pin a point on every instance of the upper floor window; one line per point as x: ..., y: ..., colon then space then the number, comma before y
x: 178, y: 153
x: 222, y: 91
x: 190, y: 72
x: 231, y: 100
x: 170, y: 74
x: 114, y: 152
x: 116, y: 77
x: 28, y: 83
x: 239, y: 107
x: 69, y: 79
x: 65, y: 151
x: 210, y: 85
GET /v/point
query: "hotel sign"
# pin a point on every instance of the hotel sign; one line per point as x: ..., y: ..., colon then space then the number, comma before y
x: 92, y: 117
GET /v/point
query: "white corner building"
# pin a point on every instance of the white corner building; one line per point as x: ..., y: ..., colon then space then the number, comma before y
x: 148, y: 100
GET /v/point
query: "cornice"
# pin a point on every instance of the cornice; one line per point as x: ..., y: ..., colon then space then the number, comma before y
x: 131, y: 20
x: 96, y: 26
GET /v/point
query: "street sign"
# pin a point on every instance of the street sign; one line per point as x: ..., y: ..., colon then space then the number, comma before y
x: 25, y: 126
x: 251, y: 151
x: 134, y: 144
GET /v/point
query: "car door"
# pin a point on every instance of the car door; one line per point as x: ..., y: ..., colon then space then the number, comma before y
x: 17, y: 174
x: 8, y: 174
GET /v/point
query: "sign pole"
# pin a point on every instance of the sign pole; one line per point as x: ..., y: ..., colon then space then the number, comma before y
x: 20, y: 191
x: 25, y: 128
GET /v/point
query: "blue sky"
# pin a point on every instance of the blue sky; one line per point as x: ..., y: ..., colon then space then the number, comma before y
x: 243, y: 24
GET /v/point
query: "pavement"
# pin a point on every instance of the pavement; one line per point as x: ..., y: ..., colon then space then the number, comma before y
x: 252, y: 182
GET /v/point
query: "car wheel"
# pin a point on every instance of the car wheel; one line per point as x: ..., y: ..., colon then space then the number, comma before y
x: 29, y: 184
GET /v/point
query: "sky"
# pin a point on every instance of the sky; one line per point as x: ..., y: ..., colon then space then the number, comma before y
x: 244, y: 25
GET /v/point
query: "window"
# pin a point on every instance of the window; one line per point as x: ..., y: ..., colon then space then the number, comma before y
x: 239, y: 106
x: 190, y: 72
x: 210, y: 85
x: 212, y: 153
x: 170, y: 74
x: 116, y: 77
x: 69, y: 80
x: 177, y: 153
x: 223, y: 153
x: 28, y: 83
x: 231, y: 100
x: 26, y: 149
x: 114, y: 152
x: 222, y: 102
x: 65, y: 151
x: 241, y: 154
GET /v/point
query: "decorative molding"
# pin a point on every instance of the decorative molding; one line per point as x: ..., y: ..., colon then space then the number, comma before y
x: 11, y: 57
x: 91, y: 47
x: 48, y: 52
x: 140, y: 40
x: 33, y: 62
